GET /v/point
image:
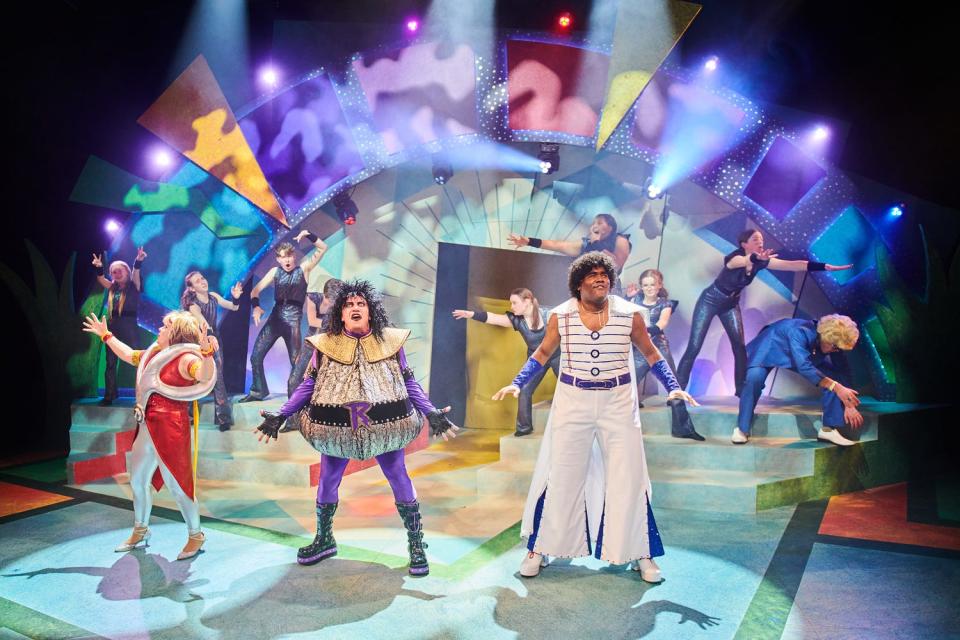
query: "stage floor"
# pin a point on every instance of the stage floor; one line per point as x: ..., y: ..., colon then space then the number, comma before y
x: 881, y: 563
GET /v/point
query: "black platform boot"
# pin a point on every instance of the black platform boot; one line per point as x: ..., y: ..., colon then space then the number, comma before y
x: 410, y: 513
x: 323, y: 545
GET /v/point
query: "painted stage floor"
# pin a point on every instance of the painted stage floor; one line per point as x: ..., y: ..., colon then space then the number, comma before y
x: 880, y: 563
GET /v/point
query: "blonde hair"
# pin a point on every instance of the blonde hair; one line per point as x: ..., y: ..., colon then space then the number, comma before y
x: 184, y: 327
x: 838, y: 330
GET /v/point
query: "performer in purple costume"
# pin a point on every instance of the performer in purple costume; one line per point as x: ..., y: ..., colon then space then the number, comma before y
x: 364, y: 402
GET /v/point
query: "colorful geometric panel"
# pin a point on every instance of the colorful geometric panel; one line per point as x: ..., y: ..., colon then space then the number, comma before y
x: 193, y: 117
x: 102, y: 184
x: 784, y: 177
x: 881, y: 515
x: 849, y: 239
x: 876, y: 340
x: 645, y: 33
x: 17, y: 499
x: 421, y: 93
x: 553, y: 87
x: 178, y: 243
x: 302, y: 141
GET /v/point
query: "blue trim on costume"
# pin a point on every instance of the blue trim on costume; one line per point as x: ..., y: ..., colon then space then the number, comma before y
x: 531, y: 368
x: 656, y: 544
x: 537, y: 514
x: 661, y: 370
x: 586, y: 519
x: 600, y: 532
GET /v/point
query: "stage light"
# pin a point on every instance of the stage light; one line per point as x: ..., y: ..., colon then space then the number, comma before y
x: 820, y: 133
x: 897, y: 210
x: 652, y: 190
x: 711, y: 64
x: 161, y: 158
x: 549, y: 157
x: 111, y: 226
x: 565, y: 20
x: 346, y: 208
x: 442, y: 170
x: 413, y: 25
x: 269, y: 77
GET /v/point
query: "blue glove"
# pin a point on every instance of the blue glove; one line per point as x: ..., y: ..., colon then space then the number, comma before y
x: 530, y: 369
x: 663, y: 373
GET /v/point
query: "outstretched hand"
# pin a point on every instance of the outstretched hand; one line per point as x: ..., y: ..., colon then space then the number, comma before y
x: 257, y: 314
x: 300, y: 236
x: 236, y: 290
x: 141, y: 254
x: 511, y: 389
x: 462, y: 314
x: 440, y: 425
x: 835, y: 267
x: 517, y: 241
x: 680, y: 394
x: 632, y: 290
x: 97, y: 261
x: 765, y: 255
x: 97, y: 326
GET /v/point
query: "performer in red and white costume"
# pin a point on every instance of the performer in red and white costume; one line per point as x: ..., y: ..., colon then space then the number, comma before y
x: 176, y: 370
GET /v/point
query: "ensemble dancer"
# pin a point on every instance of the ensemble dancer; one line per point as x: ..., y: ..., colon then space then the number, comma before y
x: 202, y: 303
x: 657, y: 308
x: 177, y: 369
x: 123, y: 301
x: 290, y: 289
x: 585, y: 499
x: 362, y: 401
x: 603, y: 236
x: 318, y: 321
x: 722, y: 298
x: 815, y: 351
x: 529, y: 320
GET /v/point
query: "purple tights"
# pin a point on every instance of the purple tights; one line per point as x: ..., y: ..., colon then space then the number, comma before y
x: 393, y: 466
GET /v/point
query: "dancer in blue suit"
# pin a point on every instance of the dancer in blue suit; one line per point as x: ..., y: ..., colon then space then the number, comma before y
x: 812, y: 349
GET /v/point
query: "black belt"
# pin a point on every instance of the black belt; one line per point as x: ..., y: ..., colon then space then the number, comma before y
x: 609, y: 383
x: 340, y: 416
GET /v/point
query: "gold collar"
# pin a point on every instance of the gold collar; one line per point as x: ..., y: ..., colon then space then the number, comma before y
x: 343, y: 348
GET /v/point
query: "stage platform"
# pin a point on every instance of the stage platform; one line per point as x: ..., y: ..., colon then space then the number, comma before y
x: 843, y: 567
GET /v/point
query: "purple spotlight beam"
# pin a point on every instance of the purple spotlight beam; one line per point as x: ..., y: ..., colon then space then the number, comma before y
x: 413, y: 25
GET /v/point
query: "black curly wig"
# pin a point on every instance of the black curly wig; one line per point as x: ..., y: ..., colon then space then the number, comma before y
x: 362, y: 288
x: 582, y: 266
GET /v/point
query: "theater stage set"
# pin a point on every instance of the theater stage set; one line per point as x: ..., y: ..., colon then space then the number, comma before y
x: 435, y: 145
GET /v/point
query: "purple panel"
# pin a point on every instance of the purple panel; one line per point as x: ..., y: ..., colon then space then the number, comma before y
x: 420, y: 93
x: 784, y: 176
x: 302, y: 141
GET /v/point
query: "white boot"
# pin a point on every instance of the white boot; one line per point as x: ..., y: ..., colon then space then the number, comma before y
x: 739, y: 437
x: 648, y: 569
x: 828, y: 434
x: 530, y: 567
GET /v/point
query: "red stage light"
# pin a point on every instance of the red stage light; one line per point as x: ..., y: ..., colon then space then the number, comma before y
x: 565, y: 20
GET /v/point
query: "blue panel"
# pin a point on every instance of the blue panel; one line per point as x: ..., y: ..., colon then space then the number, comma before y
x: 849, y: 239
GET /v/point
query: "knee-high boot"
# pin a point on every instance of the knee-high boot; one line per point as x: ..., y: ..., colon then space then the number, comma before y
x: 410, y: 513
x: 323, y: 545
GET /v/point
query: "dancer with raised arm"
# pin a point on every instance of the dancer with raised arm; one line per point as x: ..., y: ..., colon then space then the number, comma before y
x: 176, y: 370
x: 123, y: 302
x: 289, y: 282
x: 603, y: 236
x: 202, y: 303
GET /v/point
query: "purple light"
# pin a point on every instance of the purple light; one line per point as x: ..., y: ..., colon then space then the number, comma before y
x: 111, y: 226
x: 161, y: 158
x: 269, y: 77
x: 413, y: 25
x: 820, y: 133
x: 711, y: 64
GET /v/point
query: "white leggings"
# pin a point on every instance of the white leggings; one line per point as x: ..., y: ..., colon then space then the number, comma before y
x: 144, y: 460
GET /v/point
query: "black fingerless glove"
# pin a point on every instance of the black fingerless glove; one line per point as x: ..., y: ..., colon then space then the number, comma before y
x: 438, y: 422
x: 272, y: 422
x: 654, y: 330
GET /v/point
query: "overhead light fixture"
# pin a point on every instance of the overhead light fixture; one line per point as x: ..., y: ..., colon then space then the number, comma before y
x: 346, y: 208
x: 442, y: 170
x: 549, y: 157
x: 652, y: 190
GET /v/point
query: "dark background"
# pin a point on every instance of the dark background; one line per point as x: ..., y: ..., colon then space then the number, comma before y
x: 79, y: 72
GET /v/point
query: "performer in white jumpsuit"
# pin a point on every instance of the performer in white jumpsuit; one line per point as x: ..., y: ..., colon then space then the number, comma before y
x: 587, y: 500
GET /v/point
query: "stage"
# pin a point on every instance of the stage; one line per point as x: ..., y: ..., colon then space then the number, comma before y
x: 840, y: 566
